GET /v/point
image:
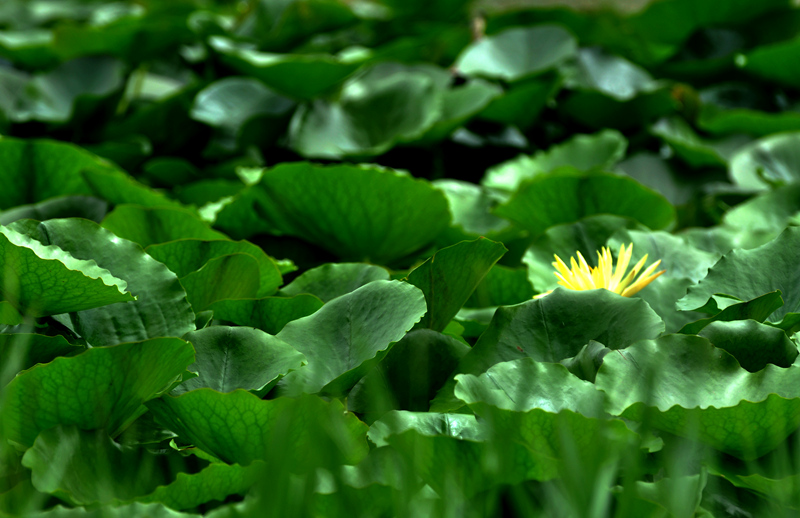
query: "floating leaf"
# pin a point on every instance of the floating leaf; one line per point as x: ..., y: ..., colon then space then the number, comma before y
x: 687, y: 387
x: 449, y: 277
x: 48, y: 280
x: 230, y: 358
x: 239, y: 427
x: 232, y: 276
x: 567, y: 195
x: 334, y: 280
x: 269, y: 314
x: 153, y: 225
x: 103, y: 387
x: 160, y: 308
x: 349, y: 334
x: 516, y: 53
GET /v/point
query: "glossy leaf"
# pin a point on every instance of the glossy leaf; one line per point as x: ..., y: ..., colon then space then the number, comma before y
x: 232, y: 276
x: 376, y: 315
x: 396, y: 214
x: 554, y: 328
x: 449, y: 277
x: 154, y: 225
x: 230, y: 358
x: 516, y: 53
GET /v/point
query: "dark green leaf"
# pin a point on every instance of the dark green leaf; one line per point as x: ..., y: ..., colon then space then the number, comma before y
x: 239, y: 427
x: 20, y: 351
x: 685, y: 386
x: 50, y: 280
x: 449, y: 277
x: 75, y: 391
x: 234, y: 276
x: 567, y: 195
x: 269, y: 314
x: 356, y: 212
x: 185, y: 256
x: 753, y: 344
x: 556, y: 327
x: 757, y: 309
x: 160, y: 309
x: 153, y: 225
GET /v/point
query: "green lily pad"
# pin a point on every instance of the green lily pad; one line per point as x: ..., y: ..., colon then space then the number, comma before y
x: 683, y: 385
x: 269, y: 314
x: 694, y: 150
x: 239, y: 427
x: 154, y: 225
x: 449, y: 277
x: 232, y: 276
x: 230, y: 358
x: 300, y: 76
x: 373, y: 113
x: 374, y: 316
x: 743, y: 275
x: 517, y: 53
x: 160, y: 309
x: 36, y: 170
x: 380, y: 215
x: 567, y: 195
x: 583, y: 152
x: 757, y: 309
x: 87, y: 207
x: 75, y: 391
x: 334, y: 280
x: 767, y: 162
x: 753, y: 344
x: 185, y: 256
x: 502, y: 286
x: 50, y: 280
x: 554, y: 328
x: 21, y: 351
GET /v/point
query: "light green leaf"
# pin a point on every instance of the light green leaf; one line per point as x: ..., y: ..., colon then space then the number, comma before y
x: 517, y: 53
x: 185, y: 256
x: 269, y: 314
x: 232, y: 276
x: 230, y: 358
x: 767, y: 162
x: 554, y: 328
x: 334, y: 280
x: 583, y: 152
x: 301, y: 76
x: 160, y: 309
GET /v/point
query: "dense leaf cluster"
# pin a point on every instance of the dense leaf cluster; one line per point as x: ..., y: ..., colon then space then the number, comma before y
x: 277, y: 258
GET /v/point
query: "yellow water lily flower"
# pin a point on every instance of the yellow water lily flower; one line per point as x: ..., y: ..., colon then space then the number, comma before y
x: 585, y: 277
